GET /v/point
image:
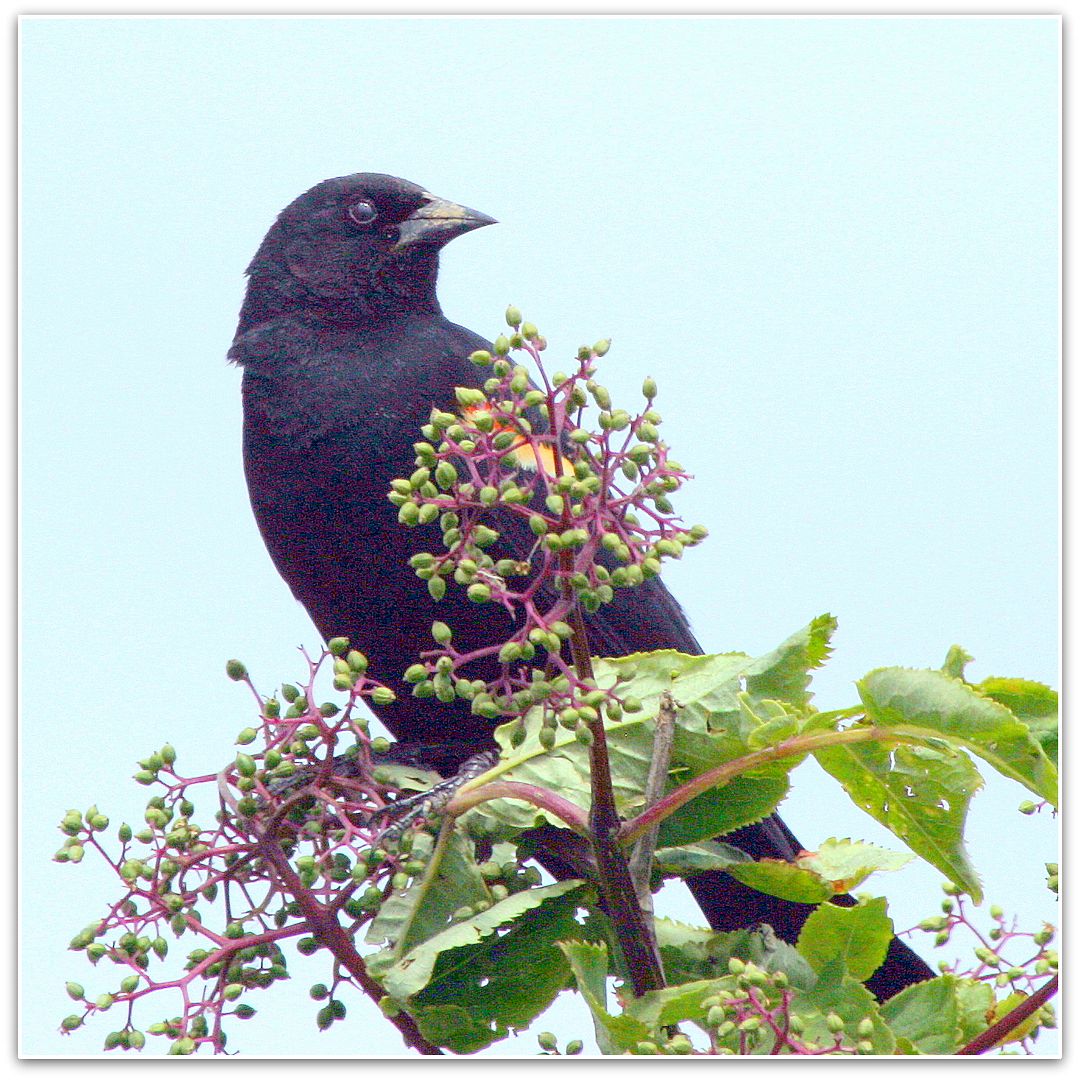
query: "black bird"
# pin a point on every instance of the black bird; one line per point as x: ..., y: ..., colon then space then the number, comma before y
x: 345, y: 350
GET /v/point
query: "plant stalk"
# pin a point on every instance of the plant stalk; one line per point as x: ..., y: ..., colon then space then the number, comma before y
x: 326, y: 928
x: 723, y: 774
x: 989, y: 1038
x: 616, y: 886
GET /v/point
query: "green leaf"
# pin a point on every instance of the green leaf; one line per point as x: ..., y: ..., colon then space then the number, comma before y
x: 712, y: 684
x: 718, y: 721
x: 1021, y: 1030
x: 772, y: 953
x: 705, y: 688
x: 687, y: 952
x: 425, y: 907
x: 407, y: 777
x: 846, y: 864
x: 920, y: 794
x: 478, y: 984
x: 1033, y: 704
x: 930, y: 704
x: 589, y: 964
x: 696, y: 965
x: 785, y: 880
x: 775, y: 721
x: 563, y: 768
x: 745, y: 800
x: 455, y: 1028
x: 928, y: 1015
x: 411, y: 972
x: 857, y: 936
x: 784, y: 673
x: 941, y: 1015
x: 692, y: 953
x: 956, y: 661
x: 814, y: 877
x: 677, y: 1004
x: 706, y: 681
x: 974, y: 1000
x: 699, y: 858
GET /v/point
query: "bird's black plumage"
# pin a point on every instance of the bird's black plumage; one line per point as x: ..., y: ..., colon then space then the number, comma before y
x: 345, y: 350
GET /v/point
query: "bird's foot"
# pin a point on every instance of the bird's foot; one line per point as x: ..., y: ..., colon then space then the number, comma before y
x: 403, y: 813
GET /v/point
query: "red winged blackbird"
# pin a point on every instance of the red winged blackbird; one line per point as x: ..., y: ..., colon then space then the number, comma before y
x: 345, y: 350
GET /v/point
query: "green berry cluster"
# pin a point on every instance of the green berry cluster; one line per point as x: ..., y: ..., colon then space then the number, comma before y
x: 178, y: 874
x: 759, y: 1011
x: 548, y: 498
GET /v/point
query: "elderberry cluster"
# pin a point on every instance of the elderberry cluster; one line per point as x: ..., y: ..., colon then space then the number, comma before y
x: 548, y: 499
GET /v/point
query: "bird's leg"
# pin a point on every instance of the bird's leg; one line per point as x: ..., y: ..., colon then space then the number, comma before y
x: 404, y: 812
x: 352, y: 773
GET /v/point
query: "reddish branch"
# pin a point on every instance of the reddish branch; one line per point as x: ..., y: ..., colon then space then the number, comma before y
x: 996, y: 1032
x: 329, y: 932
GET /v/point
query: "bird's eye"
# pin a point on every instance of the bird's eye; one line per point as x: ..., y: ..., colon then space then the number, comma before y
x: 362, y: 213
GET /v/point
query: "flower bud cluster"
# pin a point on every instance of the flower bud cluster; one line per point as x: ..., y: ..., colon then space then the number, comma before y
x: 288, y: 783
x: 994, y: 964
x: 755, y: 1013
x: 548, y: 499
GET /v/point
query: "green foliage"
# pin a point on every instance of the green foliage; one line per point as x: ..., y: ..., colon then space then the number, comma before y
x: 1034, y: 704
x: 927, y: 704
x: 927, y: 1018
x: 471, y: 951
x: 838, y: 866
x: 857, y: 937
x: 913, y: 772
x: 747, y: 1009
x: 427, y: 906
x: 469, y: 985
x: 718, y: 722
x: 904, y: 757
x: 919, y: 793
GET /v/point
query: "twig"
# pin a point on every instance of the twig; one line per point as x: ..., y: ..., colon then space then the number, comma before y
x: 544, y: 798
x: 993, y: 1034
x: 723, y: 774
x: 641, y: 856
x: 616, y: 886
x: 329, y: 932
x: 640, y: 860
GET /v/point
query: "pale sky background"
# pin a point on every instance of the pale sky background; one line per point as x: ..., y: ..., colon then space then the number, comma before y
x: 833, y: 242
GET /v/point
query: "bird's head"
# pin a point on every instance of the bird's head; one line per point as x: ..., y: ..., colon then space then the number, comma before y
x: 356, y: 246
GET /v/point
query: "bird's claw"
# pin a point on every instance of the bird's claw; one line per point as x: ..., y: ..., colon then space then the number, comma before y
x: 407, y: 811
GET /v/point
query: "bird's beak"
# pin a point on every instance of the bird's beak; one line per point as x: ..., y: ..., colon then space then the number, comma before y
x: 437, y: 222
